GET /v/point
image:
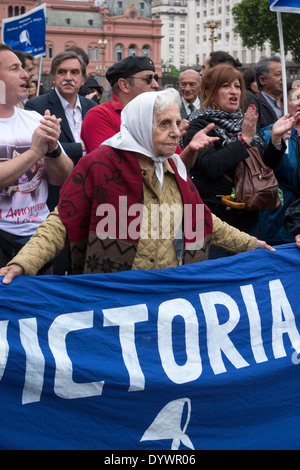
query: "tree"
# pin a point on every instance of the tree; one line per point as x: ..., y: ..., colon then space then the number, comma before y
x: 256, y: 25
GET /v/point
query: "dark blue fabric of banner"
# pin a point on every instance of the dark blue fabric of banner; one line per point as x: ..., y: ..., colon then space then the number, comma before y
x: 203, y: 356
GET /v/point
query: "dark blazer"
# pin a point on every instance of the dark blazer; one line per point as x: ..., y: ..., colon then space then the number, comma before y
x: 52, y: 102
x: 73, y: 149
x: 266, y: 115
x: 183, y: 112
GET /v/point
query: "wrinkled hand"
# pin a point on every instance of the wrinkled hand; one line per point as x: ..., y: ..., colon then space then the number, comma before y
x: 297, y: 238
x: 9, y: 272
x: 283, y: 126
x: 263, y: 244
x: 201, y: 140
x: 249, y: 124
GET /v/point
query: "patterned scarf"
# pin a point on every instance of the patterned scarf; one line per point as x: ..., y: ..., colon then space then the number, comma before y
x: 228, y: 125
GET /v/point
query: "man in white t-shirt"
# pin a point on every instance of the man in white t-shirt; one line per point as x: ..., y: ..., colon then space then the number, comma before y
x: 68, y: 72
x: 30, y: 155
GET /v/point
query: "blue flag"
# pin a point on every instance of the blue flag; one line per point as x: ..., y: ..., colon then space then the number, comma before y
x: 26, y: 32
x: 203, y: 356
x: 287, y: 6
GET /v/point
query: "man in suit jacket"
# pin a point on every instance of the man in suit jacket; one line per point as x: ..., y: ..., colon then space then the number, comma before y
x: 268, y: 74
x: 68, y: 72
x: 189, y: 84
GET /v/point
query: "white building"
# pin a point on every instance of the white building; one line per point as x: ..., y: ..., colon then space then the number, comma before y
x: 187, y: 38
x: 174, y: 16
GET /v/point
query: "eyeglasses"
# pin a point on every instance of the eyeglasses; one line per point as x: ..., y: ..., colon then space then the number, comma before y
x: 148, y: 78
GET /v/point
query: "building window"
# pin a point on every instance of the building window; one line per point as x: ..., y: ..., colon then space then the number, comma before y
x: 50, y: 52
x: 118, y: 52
x: 90, y: 53
x: 96, y: 53
x: 119, y: 8
x: 132, y: 50
x: 146, y: 51
x: 10, y: 11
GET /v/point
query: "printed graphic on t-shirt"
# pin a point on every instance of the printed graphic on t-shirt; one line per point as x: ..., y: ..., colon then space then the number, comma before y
x: 24, y: 201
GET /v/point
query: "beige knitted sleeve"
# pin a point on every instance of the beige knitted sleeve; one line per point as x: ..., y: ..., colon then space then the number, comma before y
x: 49, y: 239
x: 229, y: 238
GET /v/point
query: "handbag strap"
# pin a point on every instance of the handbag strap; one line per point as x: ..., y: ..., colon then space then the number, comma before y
x: 228, y: 178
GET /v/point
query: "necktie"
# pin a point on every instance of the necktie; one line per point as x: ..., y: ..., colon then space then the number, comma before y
x: 191, y: 107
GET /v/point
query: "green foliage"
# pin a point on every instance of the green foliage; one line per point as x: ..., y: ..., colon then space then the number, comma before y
x: 256, y: 25
x: 174, y: 71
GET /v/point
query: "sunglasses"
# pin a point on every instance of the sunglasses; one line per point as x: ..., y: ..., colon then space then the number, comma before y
x: 148, y: 78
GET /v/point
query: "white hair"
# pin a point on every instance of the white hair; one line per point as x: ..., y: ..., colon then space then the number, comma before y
x: 165, y: 99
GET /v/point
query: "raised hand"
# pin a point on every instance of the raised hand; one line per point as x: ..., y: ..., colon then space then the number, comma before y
x: 249, y: 124
x: 201, y: 140
x: 282, y: 127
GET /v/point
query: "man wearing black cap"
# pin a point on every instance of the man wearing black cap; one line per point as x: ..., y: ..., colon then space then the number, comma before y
x: 128, y: 78
x: 92, y: 90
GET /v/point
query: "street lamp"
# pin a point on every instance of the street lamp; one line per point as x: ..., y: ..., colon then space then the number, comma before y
x: 166, y: 70
x: 212, y: 25
x: 102, y: 45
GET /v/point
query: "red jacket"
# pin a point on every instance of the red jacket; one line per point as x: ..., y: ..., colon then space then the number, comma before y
x: 102, y: 123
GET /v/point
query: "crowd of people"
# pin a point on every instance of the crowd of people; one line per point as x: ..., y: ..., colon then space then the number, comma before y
x: 136, y: 182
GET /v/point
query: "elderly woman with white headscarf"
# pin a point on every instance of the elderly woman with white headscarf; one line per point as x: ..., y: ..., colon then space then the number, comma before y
x: 130, y: 204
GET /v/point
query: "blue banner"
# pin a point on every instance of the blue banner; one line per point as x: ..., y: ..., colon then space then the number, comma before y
x: 203, y: 356
x: 287, y: 6
x: 26, y: 32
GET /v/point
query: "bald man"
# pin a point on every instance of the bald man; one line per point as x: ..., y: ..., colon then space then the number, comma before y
x: 189, y: 84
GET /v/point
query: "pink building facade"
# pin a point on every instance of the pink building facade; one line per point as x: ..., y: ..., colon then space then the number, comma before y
x: 125, y: 28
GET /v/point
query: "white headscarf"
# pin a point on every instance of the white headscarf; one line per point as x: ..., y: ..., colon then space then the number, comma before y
x: 136, y: 133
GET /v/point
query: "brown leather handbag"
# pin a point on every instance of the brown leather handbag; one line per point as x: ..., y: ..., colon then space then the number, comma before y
x: 256, y: 186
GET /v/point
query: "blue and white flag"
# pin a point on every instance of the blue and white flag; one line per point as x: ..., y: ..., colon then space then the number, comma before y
x: 26, y: 32
x: 203, y: 356
x: 285, y: 6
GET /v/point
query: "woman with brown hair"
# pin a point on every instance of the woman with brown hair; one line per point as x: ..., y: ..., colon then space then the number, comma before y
x: 222, y: 92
